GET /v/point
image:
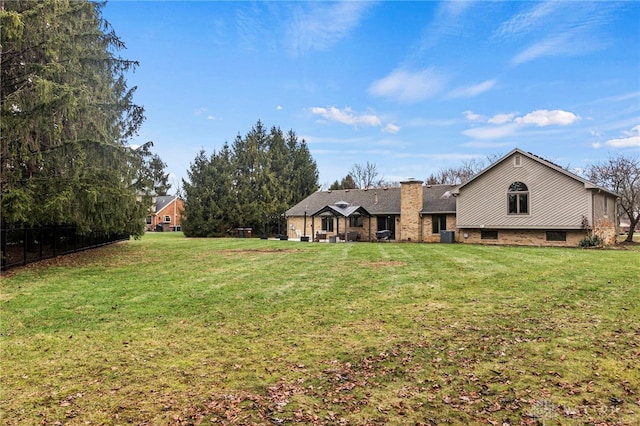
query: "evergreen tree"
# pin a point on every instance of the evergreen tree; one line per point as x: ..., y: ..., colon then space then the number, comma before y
x: 66, y: 115
x: 160, y: 180
x: 209, y: 195
x: 249, y: 184
x: 347, y: 182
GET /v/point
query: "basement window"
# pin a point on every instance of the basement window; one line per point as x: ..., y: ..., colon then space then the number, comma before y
x: 488, y: 235
x: 556, y: 236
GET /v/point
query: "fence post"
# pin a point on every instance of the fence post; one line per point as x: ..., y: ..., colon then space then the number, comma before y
x: 3, y: 246
x: 25, y: 236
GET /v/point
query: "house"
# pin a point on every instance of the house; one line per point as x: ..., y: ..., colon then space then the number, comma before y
x: 165, y: 214
x: 358, y: 214
x: 520, y: 199
x: 524, y: 199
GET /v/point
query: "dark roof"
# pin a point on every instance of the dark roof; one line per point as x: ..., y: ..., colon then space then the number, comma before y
x: 163, y: 201
x: 438, y: 199
x: 376, y: 201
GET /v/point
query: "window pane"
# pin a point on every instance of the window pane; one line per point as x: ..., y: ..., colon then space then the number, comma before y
x: 513, y: 204
x: 524, y: 203
x: 489, y: 235
x: 518, y: 187
x: 556, y: 236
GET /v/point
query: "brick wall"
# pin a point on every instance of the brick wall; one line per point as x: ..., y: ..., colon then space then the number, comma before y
x: 427, y: 228
x: 410, y: 208
x: 521, y: 237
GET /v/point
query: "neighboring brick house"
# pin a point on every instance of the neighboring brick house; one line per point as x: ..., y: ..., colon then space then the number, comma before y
x: 165, y: 214
x: 520, y: 199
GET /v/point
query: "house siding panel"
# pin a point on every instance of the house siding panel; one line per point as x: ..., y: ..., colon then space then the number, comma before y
x: 555, y: 200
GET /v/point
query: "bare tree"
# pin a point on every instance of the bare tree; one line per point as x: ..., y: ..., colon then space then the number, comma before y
x: 458, y: 175
x: 366, y: 176
x: 621, y: 175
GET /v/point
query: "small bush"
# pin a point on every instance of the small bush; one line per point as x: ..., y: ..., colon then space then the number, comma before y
x: 591, y: 241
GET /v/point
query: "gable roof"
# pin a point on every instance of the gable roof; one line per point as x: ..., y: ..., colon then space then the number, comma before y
x: 342, y: 210
x: 163, y: 201
x: 376, y: 201
x: 587, y: 184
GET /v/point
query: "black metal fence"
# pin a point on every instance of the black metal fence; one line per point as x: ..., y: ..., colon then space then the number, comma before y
x: 22, y: 245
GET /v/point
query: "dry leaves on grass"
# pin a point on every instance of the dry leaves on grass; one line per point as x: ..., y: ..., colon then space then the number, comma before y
x: 343, y: 391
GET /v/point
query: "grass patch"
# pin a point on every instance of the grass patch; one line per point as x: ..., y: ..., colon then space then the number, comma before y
x: 169, y: 330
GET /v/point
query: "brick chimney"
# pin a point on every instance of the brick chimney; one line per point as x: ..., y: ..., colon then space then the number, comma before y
x: 410, y: 207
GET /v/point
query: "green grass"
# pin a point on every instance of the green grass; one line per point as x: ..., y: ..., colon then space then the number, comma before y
x: 169, y: 330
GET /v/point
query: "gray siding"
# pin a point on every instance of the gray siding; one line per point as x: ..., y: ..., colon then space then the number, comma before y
x: 556, y: 201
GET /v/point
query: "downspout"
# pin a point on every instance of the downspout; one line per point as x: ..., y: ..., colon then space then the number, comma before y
x: 420, y: 232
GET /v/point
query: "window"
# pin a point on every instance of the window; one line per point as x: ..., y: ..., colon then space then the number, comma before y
x: 438, y: 223
x: 518, y: 198
x: 167, y: 219
x: 356, y: 221
x: 327, y: 224
x: 488, y: 235
x: 556, y: 236
x: 149, y: 218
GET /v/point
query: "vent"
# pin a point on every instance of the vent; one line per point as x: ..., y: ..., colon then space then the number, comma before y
x: 517, y: 161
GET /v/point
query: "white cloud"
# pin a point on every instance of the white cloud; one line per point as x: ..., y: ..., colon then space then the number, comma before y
x: 555, y: 45
x: 409, y: 86
x: 558, y: 28
x: 200, y: 111
x: 347, y: 116
x: 211, y: 117
x: 503, y: 125
x: 491, y: 132
x: 631, y: 139
x: 596, y: 145
x: 471, y: 91
x: 545, y: 117
x: 447, y: 22
x: 472, y: 116
x: 526, y: 21
x: 279, y: 107
x: 391, y: 128
x: 501, y: 118
x: 318, y: 26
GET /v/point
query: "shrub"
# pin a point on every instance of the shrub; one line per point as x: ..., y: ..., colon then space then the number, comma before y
x: 591, y: 241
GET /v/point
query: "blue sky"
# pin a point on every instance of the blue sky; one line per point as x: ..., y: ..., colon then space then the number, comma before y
x: 412, y: 87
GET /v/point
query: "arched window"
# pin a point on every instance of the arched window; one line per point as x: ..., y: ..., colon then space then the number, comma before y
x: 518, y: 198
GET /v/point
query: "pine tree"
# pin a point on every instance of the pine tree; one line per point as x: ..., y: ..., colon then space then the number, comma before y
x: 250, y: 184
x: 66, y: 115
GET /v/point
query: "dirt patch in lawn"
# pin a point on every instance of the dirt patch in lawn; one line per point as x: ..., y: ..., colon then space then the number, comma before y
x: 384, y: 263
x: 257, y: 251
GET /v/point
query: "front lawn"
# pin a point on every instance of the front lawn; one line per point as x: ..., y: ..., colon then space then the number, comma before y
x: 169, y: 330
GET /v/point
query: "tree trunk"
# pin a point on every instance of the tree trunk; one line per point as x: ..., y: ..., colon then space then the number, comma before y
x: 633, y: 222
